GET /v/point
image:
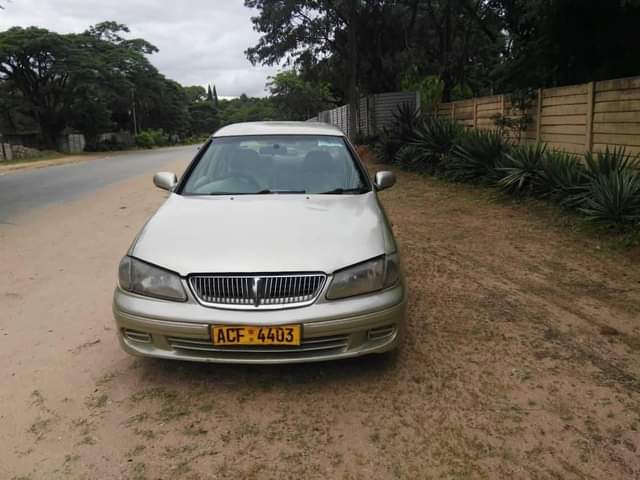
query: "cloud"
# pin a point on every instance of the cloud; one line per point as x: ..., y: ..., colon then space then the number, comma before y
x: 200, y: 41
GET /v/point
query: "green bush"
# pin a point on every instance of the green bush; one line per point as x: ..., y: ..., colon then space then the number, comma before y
x: 152, y: 138
x: 613, y: 199
x: 477, y: 157
x: 605, y: 187
x: 433, y: 141
x: 611, y: 193
x: 522, y: 171
x: 145, y: 140
x: 406, y: 119
x: 565, y: 178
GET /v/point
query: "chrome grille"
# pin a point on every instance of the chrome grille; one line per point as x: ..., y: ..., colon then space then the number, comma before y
x: 257, y: 291
x: 308, y: 347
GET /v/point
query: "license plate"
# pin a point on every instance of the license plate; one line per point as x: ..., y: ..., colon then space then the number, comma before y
x: 246, y: 335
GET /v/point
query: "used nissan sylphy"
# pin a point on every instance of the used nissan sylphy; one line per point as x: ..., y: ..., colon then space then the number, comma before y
x: 272, y: 248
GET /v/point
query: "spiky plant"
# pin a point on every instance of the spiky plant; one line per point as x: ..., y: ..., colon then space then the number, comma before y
x: 386, y: 146
x: 613, y: 198
x: 565, y: 177
x: 477, y: 157
x: 433, y: 141
x: 405, y: 119
x: 523, y: 172
x: 609, y: 161
x: 408, y: 157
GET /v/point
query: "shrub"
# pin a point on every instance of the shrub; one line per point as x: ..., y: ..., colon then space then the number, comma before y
x: 477, y: 157
x: 609, y: 161
x: 432, y: 142
x: 613, y: 198
x: 523, y: 171
x: 408, y: 157
x: 611, y: 193
x: 145, y: 140
x: 565, y: 178
x: 405, y: 120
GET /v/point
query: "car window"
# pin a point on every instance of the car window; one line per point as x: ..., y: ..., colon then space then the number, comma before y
x: 276, y: 164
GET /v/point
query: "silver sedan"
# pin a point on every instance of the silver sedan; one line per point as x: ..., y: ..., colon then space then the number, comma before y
x: 272, y: 248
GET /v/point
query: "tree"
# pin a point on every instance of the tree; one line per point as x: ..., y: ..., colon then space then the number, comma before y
x: 296, y: 98
x: 363, y: 46
x: 559, y: 42
x: 216, y: 102
x: 89, y: 81
x: 318, y: 28
x: 195, y: 94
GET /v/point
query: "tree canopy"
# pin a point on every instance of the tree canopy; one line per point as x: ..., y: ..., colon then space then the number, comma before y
x: 296, y: 98
x: 473, y: 47
x: 100, y: 81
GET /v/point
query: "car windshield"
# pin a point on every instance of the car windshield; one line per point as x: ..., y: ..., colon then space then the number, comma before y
x: 276, y: 164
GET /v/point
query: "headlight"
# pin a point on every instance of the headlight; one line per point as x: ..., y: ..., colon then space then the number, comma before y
x: 366, y: 277
x: 139, y: 277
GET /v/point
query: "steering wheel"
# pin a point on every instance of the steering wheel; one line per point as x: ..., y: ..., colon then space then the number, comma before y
x: 247, y: 180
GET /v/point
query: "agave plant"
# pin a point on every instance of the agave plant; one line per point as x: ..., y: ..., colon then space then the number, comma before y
x: 523, y: 171
x: 388, y: 144
x: 609, y: 161
x: 406, y: 119
x: 433, y: 140
x: 565, y: 177
x: 408, y: 157
x: 613, y: 198
x: 477, y: 157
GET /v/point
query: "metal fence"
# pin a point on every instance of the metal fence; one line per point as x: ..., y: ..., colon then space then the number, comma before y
x: 374, y: 113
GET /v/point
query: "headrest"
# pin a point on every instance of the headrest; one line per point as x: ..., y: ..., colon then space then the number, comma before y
x: 244, y: 159
x: 320, y: 161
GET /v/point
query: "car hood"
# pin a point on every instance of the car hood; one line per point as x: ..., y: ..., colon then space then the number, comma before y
x: 266, y: 233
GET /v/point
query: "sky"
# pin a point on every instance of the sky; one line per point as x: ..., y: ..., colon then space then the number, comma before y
x: 200, y: 41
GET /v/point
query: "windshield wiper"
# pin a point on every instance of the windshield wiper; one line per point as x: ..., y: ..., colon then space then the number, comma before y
x: 277, y: 192
x: 341, y: 191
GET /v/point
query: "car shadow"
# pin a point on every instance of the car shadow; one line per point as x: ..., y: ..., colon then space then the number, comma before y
x: 368, y: 369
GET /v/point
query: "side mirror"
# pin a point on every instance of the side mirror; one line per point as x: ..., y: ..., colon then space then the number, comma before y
x: 384, y: 180
x: 165, y: 180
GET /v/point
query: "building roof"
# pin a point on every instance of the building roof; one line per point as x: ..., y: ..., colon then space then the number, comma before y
x: 278, y: 128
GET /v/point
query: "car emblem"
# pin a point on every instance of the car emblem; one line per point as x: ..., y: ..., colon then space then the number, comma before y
x: 255, y: 291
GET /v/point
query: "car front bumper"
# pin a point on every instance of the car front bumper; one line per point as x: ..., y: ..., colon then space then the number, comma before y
x: 331, y: 330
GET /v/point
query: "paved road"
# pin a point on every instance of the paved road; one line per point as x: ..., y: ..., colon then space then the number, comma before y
x: 24, y: 190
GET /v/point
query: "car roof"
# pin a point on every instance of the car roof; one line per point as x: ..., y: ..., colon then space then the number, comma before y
x: 278, y: 128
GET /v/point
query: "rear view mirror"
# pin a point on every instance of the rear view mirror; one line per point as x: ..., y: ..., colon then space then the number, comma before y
x: 384, y: 180
x: 165, y: 180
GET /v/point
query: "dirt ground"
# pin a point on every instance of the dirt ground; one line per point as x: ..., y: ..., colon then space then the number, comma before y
x: 522, y: 359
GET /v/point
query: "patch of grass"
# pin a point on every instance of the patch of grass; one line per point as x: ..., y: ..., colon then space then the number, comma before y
x: 194, y: 430
x: 106, y: 378
x: 148, y: 434
x: 40, y: 427
x: 44, y: 155
x: 172, y: 411
x: 37, y: 399
x: 138, y: 472
x: 207, y: 407
x: 137, y: 418
x: 171, y: 406
x: 137, y: 450
x: 87, y: 440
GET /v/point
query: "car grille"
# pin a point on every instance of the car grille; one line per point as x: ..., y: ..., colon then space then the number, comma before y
x: 308, y: 347
x: 257, y: 291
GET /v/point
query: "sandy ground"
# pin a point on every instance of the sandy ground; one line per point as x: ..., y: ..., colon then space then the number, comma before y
x: 521, y: 360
